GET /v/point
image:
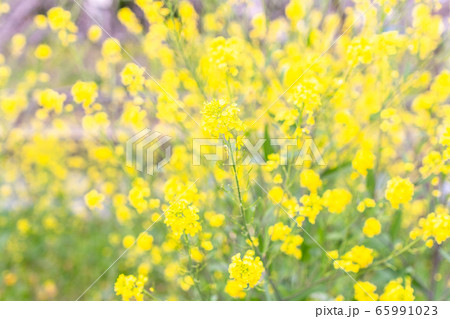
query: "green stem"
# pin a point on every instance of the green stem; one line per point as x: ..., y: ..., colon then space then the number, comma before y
x: 148, y: 294
x: 247, y: 232
x: 187, y: 247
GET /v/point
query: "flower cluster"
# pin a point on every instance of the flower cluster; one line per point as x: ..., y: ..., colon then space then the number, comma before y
x: 246, y: 271
x: 221, y: 117
x: 130, y: 287
x: 435, y: 225
x: 399, y: 191
x: 133, y: 78
x: 182, y: 218
x: 84, y: 93
x: 393, y: 291
x: 60, y: 20
x: 357, y: 258
x: 224, y: 54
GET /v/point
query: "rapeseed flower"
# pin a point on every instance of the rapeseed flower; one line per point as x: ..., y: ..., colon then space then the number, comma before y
x: 310, y: 180
x: 130, y: 287
x: 94, y: 199
x: 371, y: 227
x: 399, y: 191
x: 182, y: 218
x: 336, y: 200
x: 84, y: 93
x: 246, y: 271
x: 220, y: 117
x: 394, y: 291
x: 365, y: 291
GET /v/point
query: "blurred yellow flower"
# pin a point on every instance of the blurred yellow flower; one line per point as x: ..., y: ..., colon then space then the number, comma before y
x: 94, y: 199
x: 371, y: 227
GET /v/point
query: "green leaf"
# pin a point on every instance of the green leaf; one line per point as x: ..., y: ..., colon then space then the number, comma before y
x: 267, y: 147
x: 370, y: 183
x: 445, y: 255
x: 396, y: 224
x: 330, y: 171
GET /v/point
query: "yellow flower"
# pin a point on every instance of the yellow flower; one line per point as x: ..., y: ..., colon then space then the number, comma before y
x: 43, y: 52
x: 9, y: 279
x: 259, y: 26
x: 224, y: 54
x: 207, y: 245
x: 134, y: 115
x: 272, y: 163
x: 399, y: 191
x: 365, y: 291
x: 360, y: 50
x: 145, y: 241
x: 221, y: 117
x: 277, y: 179
x: 60, y: 20
x: 276, y: 194
x: 367, y: 202
x: 84, y: 92
x: 188, y: 20
x: 186, y: 10
x: 111, y: 50
x: 312, y: 205
x: 40, y: 21
x: 51, y: 100
x: 138, y: 194
x: 435, y: 225
x: 334, y: 254
x: 253, y: 240
x: 306, y: 95
x: 295, y: 11
x: 183, y: 218
x: 215, y: 220
x: 94, y: 199
x: 234, y: 289
x: 18, y: 42
x: 394, y: 291
x: 336, y: 200
x: 196, y: 254
x: 372, y: 227
x: 144, y: 269
x: 357, y: 258
x: 128, y: 241
x: 23, y: 225
x: 246, y: 271
x: 123, y: 213
x: 129, y: 20
x: 364, y: 160
x: 361, y: 255
x: 96, y: 121
x: 310, y: 180
x: 186, y: 283
x: 94, y: 33
x: 432, y: 163
x: 279, y: 231
x: 133, y: 78
x: 153, y: 10
x: 290, y: 246
x: 347, y: 265
x: 130, y: 287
